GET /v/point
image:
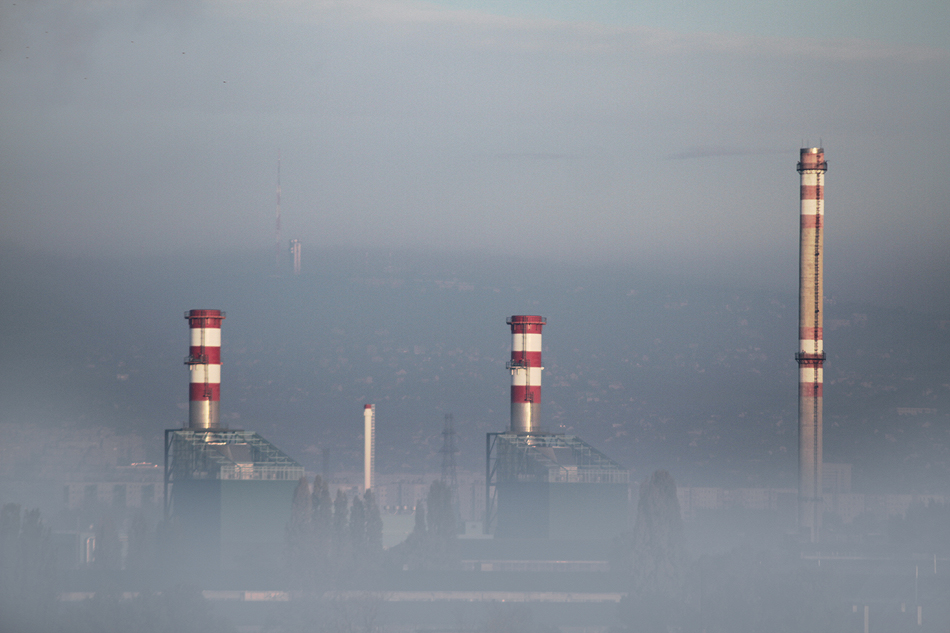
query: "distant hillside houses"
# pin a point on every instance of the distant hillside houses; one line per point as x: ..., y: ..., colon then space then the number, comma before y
x: 837, y: 499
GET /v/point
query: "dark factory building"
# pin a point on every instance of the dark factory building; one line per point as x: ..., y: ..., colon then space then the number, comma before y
x: 555, y: 487
x: 230, y: 495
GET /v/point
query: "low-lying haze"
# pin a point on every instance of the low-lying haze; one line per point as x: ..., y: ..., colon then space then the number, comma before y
x: 630, y: 176
x: 655, y: 369
x: 625, y: 169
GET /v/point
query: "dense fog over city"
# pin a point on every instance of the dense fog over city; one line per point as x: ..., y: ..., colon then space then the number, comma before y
x: 657, y: 368
x: 627, y: 172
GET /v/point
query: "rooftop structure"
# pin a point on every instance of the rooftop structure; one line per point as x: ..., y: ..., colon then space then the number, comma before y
x: 225, y: 454
x: 550, y: 458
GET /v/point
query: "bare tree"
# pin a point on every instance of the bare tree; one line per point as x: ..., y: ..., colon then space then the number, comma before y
x: 27, y: 593
x: 322, y: 507
x: 108, y: 549
x: 658, y: 544
x: 300, y: 546
x: 140, y: 544
x: 374, y: 527
x: 339, y: 540
x: 442, y: 526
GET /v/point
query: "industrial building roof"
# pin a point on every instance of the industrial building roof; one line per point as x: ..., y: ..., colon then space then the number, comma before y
x: 553, y: 458
x: 225, y: 454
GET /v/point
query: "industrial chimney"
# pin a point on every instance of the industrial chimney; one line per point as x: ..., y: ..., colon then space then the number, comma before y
x: 204, y: 363
x: 295, y: 248
x: 525, y: 366
x: 369, y: 445
x: 811, y: 352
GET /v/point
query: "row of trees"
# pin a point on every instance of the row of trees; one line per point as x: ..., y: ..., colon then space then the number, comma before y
x: 333, y: 538
x: 340, y: 539
x: 432, y: 542
x: 27, y: 569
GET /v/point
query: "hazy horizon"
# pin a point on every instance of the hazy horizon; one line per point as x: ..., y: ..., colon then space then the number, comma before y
x: 521, y: 128
x: 626, y: 170
x: 657, y: 368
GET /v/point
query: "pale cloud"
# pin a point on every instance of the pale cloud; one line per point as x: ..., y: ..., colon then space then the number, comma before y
x: 410, y: 125
x: 487, y: 30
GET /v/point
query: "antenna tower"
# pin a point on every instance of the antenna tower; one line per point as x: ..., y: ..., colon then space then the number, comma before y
x: 277, y: 236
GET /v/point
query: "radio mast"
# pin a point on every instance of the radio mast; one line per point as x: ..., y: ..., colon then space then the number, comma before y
x: 277, y: 233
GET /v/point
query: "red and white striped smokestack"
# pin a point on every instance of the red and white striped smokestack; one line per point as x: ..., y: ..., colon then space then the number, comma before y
x: 811, y: 350
x: 204, y: 363
x: 525, y: 369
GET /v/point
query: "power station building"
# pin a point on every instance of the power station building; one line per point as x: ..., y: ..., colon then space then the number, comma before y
x: 228, y: 493
x: 546, y: 485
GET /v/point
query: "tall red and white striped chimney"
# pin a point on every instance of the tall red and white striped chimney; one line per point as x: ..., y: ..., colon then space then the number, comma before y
x: 525, y: 369
x: 811, y: 350
x: 204, y: 363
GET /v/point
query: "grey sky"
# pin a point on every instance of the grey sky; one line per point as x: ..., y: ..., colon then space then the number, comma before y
x: 917, y: 23
x: 663, y: 139
x: 520, y: 127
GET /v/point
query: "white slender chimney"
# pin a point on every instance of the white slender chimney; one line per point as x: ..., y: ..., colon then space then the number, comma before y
x: 369, y: 445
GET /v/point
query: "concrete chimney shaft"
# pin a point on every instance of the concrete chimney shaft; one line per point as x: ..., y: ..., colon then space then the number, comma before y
x: 525, y: 367
x: 811, y: 351
x: 369, y: 446
x: 204, y: 363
